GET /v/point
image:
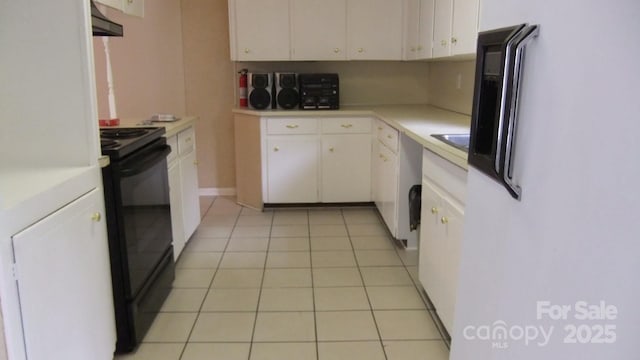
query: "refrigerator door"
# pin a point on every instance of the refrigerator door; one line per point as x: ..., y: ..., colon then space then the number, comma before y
x: 554, y: 276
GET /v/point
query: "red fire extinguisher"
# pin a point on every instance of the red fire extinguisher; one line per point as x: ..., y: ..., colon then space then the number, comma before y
x: 243, y: 88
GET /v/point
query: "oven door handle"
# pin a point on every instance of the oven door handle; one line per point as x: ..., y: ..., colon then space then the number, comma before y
x: 138, y: 164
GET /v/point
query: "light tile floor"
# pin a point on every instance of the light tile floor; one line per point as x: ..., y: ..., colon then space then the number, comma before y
x: 321, y: 284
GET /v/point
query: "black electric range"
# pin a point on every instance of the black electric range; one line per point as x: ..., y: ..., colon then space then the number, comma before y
x: 138, y: 212
x: 119, y: 142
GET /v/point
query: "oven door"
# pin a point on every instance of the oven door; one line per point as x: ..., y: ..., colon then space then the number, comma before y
x: 143, y: 212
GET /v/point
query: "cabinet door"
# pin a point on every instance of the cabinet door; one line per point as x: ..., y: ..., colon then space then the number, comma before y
x: 261, y: 29
x: 64, y: 281
x: 388, y: 188
x: 346, y: 168
x: 412, y: 29
x: 292, y: 169
x: 374, y: 29
x: 175, y: 198
x: 311, y: 43
x: 443, y: 15
x: 465, y: 27
x: 425, y: 37
x: 440, y: 236
x: 376, y: 174
x: 190, y: 195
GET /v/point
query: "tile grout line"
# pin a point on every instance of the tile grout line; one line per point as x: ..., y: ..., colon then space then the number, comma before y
x: 212, y: 278
x: 264, y: 273
x: 373, y: 316
x: 313, y: 289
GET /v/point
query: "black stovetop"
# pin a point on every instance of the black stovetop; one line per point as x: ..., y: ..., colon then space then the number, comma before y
x: 117, y: 143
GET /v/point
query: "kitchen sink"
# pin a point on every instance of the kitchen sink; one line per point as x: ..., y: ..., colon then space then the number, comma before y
x: 459, y: 141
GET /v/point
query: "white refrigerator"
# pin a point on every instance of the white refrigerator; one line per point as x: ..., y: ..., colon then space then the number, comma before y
x: 556, y: 274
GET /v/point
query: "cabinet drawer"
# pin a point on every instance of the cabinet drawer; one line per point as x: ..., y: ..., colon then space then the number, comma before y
x: 173, y: 155
x: 346, y: 126
x: 186, y: 141
x: 449, y: 177
x: 284, y: 126
x: 387, y: 135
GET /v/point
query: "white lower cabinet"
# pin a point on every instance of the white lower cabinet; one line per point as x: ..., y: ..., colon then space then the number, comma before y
x: 64, y: 281
x: 311, y: 160
x: 292, y: 169
x: 175, y: 198
x: 441, y: 226
x: 184, y: 190
x: 346, y: 168
x: 386, y: 175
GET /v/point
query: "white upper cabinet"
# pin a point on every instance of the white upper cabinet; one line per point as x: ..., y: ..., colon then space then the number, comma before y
x: 464, y: 31
x: 259, y: 30
x: 418, y: 18
x: 374, y: 29
x: 455, y: 27
x: 319, y: 29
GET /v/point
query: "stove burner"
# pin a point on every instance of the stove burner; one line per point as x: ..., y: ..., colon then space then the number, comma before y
x: 122, y: 133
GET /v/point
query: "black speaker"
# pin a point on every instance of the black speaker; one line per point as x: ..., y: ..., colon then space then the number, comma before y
x: 287, y: 95
x: 259, y: 87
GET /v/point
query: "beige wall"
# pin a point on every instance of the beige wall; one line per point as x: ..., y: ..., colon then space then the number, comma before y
x: 364, y: 82
x: 451, y: 85
x: 147, y: 62
x: 210, y: 84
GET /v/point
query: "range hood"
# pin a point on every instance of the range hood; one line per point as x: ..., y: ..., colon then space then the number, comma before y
x: 103, y: 26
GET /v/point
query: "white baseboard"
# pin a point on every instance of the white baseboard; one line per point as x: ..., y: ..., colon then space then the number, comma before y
x: 217, y: 191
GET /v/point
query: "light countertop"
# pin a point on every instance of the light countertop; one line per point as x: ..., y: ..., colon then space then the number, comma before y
x: 171, y: 128
x: 418, y: 122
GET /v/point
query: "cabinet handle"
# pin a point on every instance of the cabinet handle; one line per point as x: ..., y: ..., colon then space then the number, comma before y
x: 188, y: 139
x: 443, y: 42
x: 336, y: 50
x: 360, y: 50
x: 454, y: 40
x: 276, y: 149
x: 434, y: 210
x: 292, y: 126
x: 390, y: 137
x: 444, y: 220
x: 346, y: 126
x: 195, y: 162
x: 419, y: 48
x: 331, y: 149
x: 413, y: 49
x: 246, y: 51
x: 96, y: 217
x: 379, y: 127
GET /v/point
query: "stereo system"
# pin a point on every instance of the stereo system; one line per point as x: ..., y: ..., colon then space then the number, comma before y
x: 286, y: 90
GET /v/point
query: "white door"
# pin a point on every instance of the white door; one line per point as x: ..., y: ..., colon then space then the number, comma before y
x: 292, y: 169
x: 64, y: 281
x: 190, y: 195
x: 311, y: 43
x: 262, y: 29
x: 346, y: 168
x: 374, y: 29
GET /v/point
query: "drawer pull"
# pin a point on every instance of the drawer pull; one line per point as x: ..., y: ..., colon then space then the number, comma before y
x: 389, y: 136
x: 347, y: 126
x: 96, y: 217
x: 292, y: 126
x: 188, y: 139
x: 434, y: 210
x: 332, y: 149
x: 444, y: 220
x: 379, y: 127
x: 276, y: 149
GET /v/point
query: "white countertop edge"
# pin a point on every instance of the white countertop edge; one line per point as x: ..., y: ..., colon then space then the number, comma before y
x: 418, y: 122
